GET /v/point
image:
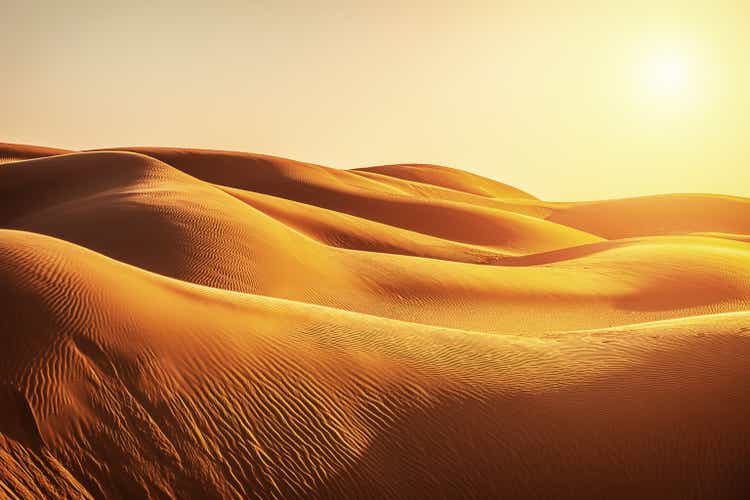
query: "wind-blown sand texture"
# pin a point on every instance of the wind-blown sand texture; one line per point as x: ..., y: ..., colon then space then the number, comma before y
x: 208, y: 324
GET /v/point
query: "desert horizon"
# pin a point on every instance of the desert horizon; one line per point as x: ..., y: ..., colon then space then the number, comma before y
x: 573, y: 101
x: 375, y: 250
x: 197, y: 324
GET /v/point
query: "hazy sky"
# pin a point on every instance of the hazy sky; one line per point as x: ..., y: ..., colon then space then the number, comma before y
x: 566, y: 99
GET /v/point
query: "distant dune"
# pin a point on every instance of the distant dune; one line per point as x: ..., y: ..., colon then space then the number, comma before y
x: 657, y: 215
x: 208, y: 324
x: 17, y: 152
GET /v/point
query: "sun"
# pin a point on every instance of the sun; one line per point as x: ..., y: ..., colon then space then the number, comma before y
x: 667, y: 76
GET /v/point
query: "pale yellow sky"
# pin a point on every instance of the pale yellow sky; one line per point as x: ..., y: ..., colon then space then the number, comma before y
x: 565, y: 99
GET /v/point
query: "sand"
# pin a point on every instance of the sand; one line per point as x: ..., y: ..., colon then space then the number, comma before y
x: 201, y: 324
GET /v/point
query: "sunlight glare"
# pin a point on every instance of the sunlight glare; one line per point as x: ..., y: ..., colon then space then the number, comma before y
x: 668, y: 76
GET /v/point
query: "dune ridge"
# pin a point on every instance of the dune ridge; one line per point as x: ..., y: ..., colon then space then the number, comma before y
x: 447, y: 177
x: 18, y: 152
x: 209, y: 324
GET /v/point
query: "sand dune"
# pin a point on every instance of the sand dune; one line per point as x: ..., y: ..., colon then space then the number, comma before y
x: 356, y: 233
x: 186, y: 323
x: 450, y: 178
x: 657, y: 215
x: 727, y: 236
x: 420, y: 207
x: 17, y: 152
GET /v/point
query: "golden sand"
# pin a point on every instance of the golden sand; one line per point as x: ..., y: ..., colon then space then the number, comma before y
x: 198, y: 324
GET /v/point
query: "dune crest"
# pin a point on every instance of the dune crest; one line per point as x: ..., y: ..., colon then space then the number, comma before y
x: 205, y: 324
x: 450, y: 178
x: 18, y: 152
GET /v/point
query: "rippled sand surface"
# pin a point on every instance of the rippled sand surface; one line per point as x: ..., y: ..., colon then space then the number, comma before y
x: 208, y: 324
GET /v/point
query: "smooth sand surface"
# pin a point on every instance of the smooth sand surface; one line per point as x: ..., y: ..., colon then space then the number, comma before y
x: 209, y: 324
x: 18, y: 152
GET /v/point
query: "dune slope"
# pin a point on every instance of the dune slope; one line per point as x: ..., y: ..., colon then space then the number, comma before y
x: 451, y: 178
x: 188, y: 390
x: 206, y: 324
x: 168, y: 222
x: 16, y: 152
x: 416, y: 206
x: 657, y: 215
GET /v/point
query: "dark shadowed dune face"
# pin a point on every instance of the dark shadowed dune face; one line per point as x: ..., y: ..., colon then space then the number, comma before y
x: 206, y: 324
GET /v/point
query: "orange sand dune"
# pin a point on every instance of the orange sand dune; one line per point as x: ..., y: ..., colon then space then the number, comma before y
x: 347, y: 231
x: 292, y: 178
x: 421, y: 207
x: 728, y: 236
x: 198, y: 324
x: 16, y: 152
x: 450, y: 178
x: 176, y: 225
x: 187, y: 390
x: 657, y: 215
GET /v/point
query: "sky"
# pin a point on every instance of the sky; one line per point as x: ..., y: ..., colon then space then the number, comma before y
x: 566, y: 99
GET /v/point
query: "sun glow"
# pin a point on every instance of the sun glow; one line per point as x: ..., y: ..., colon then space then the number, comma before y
x: 668, y: 76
